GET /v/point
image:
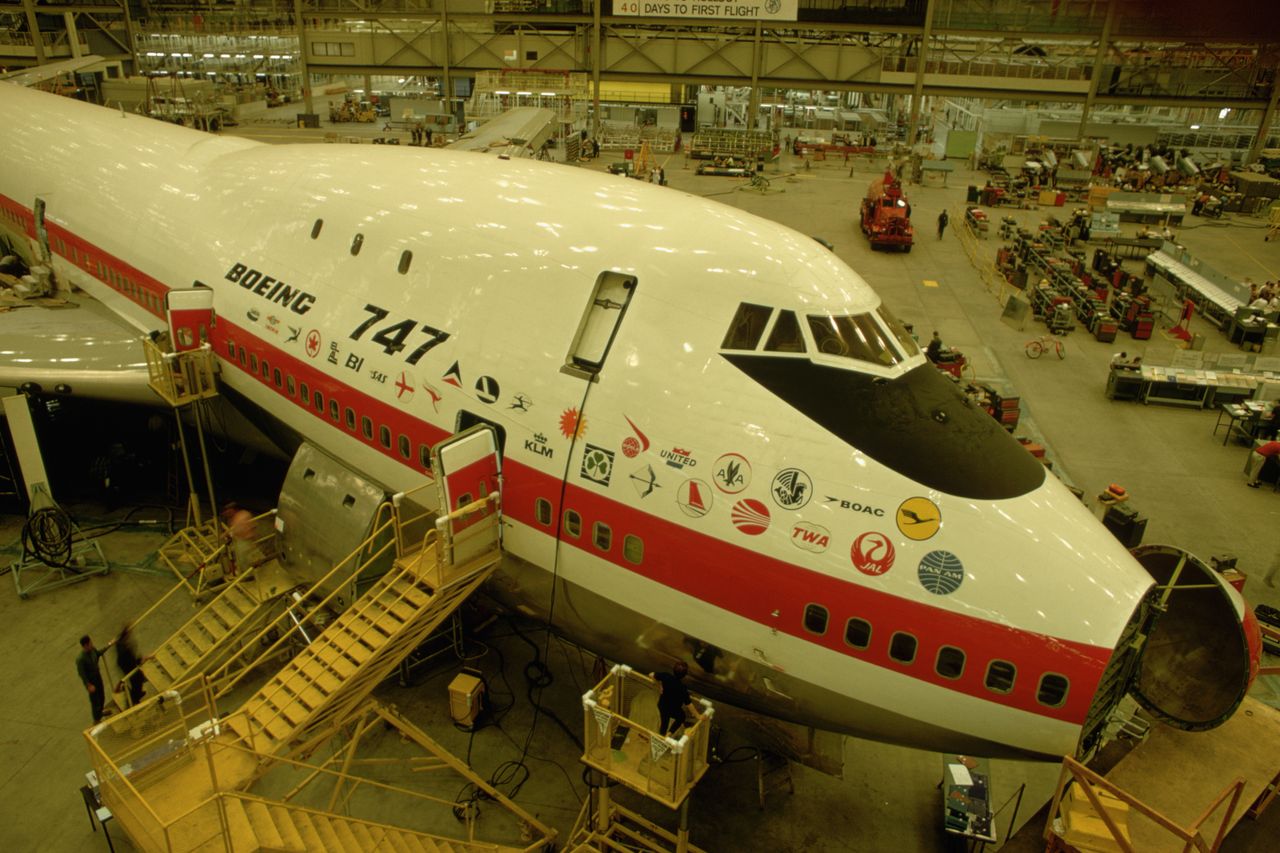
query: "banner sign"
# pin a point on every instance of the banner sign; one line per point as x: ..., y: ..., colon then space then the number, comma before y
x: 710, y: 10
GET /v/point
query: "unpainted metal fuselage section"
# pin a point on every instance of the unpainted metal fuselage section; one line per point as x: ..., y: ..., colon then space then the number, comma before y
x: 764, y: 477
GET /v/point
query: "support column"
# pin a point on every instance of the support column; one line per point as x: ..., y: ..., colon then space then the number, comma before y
x: 129, y: 39
x: 753, y: 105
x: 921, y: 56
x: 595, y: 68
x: 307, y: 105
x: 1104, y: 41
x: 73, y: 35
x: 447, y: 89
x: 33, y: 27
x: 1264, y: 127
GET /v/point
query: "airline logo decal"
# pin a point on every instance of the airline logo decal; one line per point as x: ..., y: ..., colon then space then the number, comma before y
x: 633, y: 446
x: 679, y: 458
x: 941, y: 572
x: 597, y: 465
x: 453, y: 376
x: 694, y: 498
x: 521, y: 403
x: 538, y: 445
x: 791, y: 488
x: 487, y: 390
x: 750, y: 516
x: 872, y: 553
x: 854, y: 506
x: 808, y: 536
x: 294, y: 333
x: 571, y: 426
x: 253, y: 314
x: 645, y: 481
x: 733, y: 473
x: 404, y: 387
x: 313, y: 343
x: 273, y: 324
x: 919, y: 518
x: 436, y: 396
x: 271, y: 289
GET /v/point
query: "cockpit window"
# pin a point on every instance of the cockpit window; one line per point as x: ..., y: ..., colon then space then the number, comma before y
x: 785, y: 336
x: 747, y: 327
x: 908, y: 343
x: 855, y: 336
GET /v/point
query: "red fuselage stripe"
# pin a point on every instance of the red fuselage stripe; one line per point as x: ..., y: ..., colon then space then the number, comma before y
x: 733, y: 578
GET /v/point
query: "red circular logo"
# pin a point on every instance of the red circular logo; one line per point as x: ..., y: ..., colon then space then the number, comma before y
x: 872, y: 553
x: 313, y: 343
x: 750, y: 516
x: 630, y: 447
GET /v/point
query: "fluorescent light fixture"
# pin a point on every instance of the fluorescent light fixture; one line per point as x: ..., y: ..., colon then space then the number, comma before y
x: 1195, y: 127
x: 1222, y: 113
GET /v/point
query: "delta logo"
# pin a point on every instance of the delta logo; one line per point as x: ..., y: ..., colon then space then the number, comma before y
x: 808, y: 536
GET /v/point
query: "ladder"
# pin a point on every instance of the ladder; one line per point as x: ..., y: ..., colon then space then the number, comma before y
x: 645, y: 161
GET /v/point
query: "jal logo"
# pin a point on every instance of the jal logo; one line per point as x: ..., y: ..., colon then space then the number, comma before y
x: 810, y: 537
x: 679, y: 458
x: 854, y: 506
x: 538, y: 445
x: 941, y: 572
x: 694, y: 498
x: 791, y: 488
x: 750, y: 516
x: 872, y: 553
x: 733, y: 473
x: 597, y: 465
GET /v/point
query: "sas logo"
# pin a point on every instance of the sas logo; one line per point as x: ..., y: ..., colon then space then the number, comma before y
x: 810, y: 537
x: 854, y: 506
x: 791, y: 488
x: 694, y: 498
x: 733, y: 473
x: 941, y: 572
x: 597, y: 465
x: 679, y: 458
x: 872, y: 553
x: 750, y: 516
x: 919, y: 518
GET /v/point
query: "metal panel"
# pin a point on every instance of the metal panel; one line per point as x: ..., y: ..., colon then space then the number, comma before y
x: 26, y: 446
x: 326, y: 510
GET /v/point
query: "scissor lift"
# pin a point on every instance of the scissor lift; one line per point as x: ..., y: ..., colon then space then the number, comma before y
x: 621, y: 742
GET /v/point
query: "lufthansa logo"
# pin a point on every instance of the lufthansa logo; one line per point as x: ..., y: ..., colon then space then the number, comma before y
x: 919, y: 518
x: 271, y: 289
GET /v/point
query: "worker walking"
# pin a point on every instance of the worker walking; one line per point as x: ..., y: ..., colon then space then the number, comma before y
x: 674, y: 699
x: 943, y: 219
x: 90, y: 673
x: 129, y: 661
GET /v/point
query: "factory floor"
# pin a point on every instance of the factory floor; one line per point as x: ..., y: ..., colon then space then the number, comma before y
x: 1179, y: 474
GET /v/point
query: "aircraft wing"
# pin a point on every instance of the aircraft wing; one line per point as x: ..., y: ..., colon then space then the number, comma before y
x: 50, y: 70
x: 518, y: 132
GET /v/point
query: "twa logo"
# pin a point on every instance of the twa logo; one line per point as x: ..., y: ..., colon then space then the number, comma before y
x: 633, y: 446
x: 810, y: 537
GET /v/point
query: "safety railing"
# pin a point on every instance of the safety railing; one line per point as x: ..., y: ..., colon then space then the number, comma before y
x: 181, y: 377
x: 415, y: 514
x: 663, y: 768
x: 203, y: 554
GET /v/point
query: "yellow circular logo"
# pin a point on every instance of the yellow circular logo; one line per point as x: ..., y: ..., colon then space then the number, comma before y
x: 919, y: 518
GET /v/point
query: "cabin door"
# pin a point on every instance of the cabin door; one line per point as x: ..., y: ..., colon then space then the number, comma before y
x: 190, y: 317
x: 468, y: 467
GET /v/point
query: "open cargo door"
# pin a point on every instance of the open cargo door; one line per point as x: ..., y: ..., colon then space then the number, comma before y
x: 1203, y: 645
x: 468, y: 468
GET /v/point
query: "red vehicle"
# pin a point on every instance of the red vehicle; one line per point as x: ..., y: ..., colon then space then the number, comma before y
x: 886, y: 214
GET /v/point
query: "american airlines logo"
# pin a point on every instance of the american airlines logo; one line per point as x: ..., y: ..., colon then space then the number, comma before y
x: 271, y: 289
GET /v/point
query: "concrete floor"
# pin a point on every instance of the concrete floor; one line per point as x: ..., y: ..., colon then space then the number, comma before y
x: 1181, y: 477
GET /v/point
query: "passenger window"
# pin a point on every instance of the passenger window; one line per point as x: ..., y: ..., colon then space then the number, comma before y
x: 317, y: 400
x: 902, y: 647
x: 356, y: 243
x: 1000, y: 676
x: 542, y: 511
x: 335, y: 411
x: 815, y: 619
x: 950, y: 662
x: 384, y: 436
x: 633, y: 548
x: 1052, y: 690
x: 785, y: 336
x: 406, y: 447
x: 406, y: 258
x: 572, y: 523
x: 366, y: 427
x: 231, y: 349
x: 857, y: 633
x: 350, y: 415
x: 243, y: 356
x: 463, y: 499
x: 602, y: 536
x: 266, y: 370
x: 747, y: 327
x: 315, y: 228
x: 289, y: 385
x: 253, y: 363
x: 277, y: 377
x: 424, y: 458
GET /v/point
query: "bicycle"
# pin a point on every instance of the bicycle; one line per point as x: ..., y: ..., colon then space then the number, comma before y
x: 1037, y: 347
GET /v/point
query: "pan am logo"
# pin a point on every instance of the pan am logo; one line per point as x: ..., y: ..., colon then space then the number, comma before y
x: 791, y: 488
x: 810, y: 537
x: 872, y: 553
x: 597, y: 465
x: 941, y: 572
x: 750, y: 516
